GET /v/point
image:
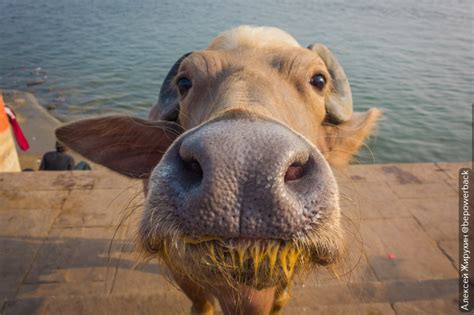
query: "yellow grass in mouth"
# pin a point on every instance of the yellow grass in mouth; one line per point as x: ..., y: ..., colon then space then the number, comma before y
x: 256, y: 263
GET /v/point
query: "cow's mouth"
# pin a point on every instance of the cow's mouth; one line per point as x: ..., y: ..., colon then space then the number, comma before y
x: 257, y: 263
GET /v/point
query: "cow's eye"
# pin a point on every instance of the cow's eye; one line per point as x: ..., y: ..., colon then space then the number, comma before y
x: 318, y: 81
x: 184, y: 84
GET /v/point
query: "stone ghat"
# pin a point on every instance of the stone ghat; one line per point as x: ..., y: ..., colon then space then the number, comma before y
x: 65, y: 246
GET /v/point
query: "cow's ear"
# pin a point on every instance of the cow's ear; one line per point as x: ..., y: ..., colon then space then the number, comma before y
x: 130, y: 146
x: 340, y: 142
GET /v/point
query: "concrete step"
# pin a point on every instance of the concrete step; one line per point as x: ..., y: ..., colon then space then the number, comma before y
x: 65, y: 246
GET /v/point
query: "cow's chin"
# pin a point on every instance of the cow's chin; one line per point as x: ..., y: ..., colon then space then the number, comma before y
x: 257, y: 263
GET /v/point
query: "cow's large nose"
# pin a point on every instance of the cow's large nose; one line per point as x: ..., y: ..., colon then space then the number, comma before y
x: 245, y: 178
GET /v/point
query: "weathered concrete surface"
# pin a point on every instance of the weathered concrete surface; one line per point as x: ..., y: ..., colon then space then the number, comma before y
x: 65, y: 246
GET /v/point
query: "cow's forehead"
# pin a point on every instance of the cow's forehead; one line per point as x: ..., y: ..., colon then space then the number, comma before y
x: 248, y: 36
x: 252, y: 57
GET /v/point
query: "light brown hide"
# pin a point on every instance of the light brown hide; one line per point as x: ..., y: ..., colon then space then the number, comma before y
x: 271, y: 82
x: 258, y: 72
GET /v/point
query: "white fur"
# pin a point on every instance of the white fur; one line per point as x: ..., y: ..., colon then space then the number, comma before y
x: 253, y: 36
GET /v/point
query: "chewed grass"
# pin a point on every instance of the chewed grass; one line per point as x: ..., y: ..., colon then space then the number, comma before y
x: 234, y: 262
x: 255, y: 263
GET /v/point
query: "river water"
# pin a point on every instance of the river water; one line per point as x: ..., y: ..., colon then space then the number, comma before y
x: 413, y: 59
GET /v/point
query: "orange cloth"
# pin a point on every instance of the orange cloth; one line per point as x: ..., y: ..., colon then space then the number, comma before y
x: 8, y: 157
x: 3, y: 116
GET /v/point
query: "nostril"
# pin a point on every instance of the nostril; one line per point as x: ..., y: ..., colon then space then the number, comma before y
x: 295, y: 171
x: 193, y: 166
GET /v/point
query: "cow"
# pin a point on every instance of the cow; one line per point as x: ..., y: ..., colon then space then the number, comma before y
x: 237, y: 157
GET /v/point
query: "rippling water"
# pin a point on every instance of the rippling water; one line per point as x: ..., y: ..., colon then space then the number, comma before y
x: 414, y: 59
